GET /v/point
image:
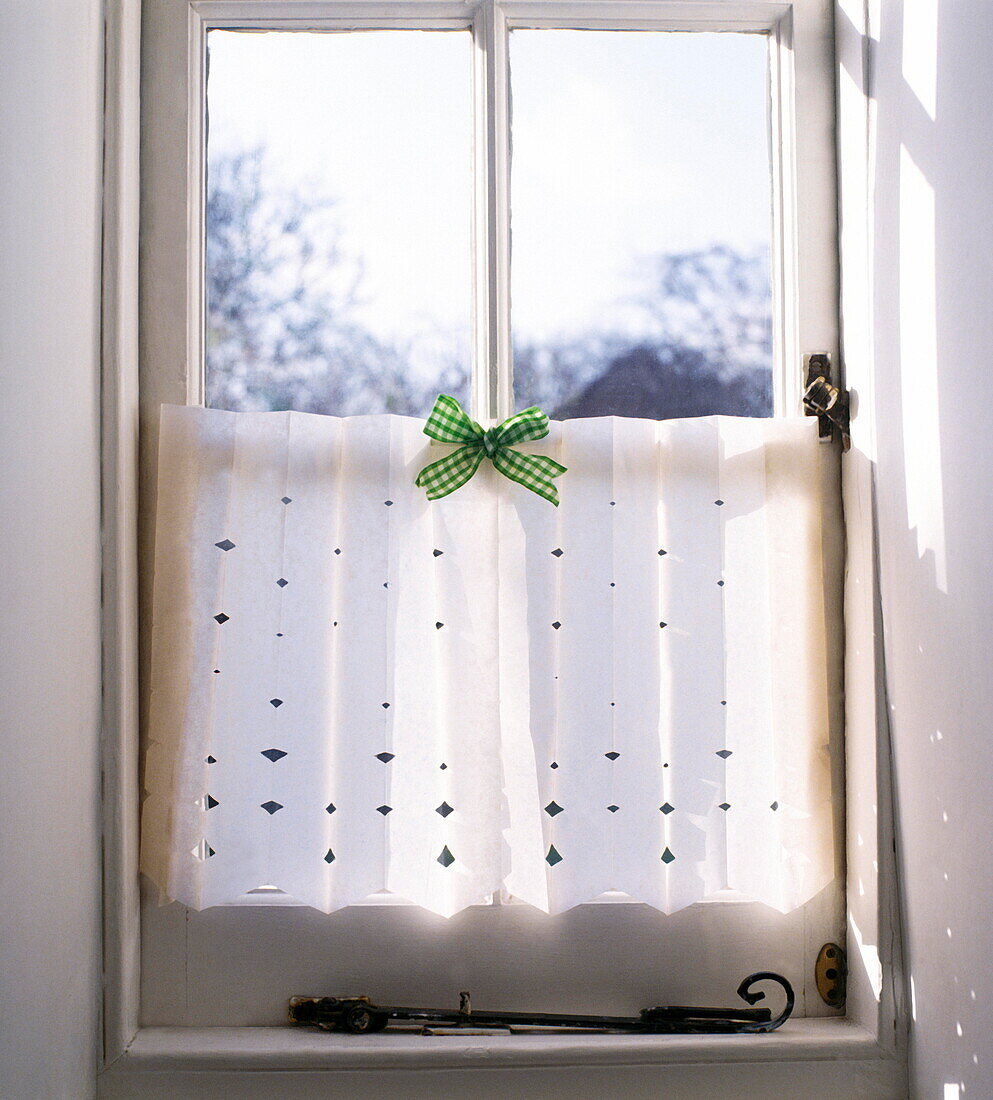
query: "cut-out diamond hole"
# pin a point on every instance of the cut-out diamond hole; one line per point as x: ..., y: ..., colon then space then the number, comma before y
x: 667, y: 856
x: 552, y: 809
x: 613, y: 809
x: 612, y: 755
x: 438, y: 626
x: 388, y: 503
x: 558, y: 552
x: 386, y: 706
x: 330, y: 807
x: 386, y: 584
x: 667, y: 807
x: 723, y: 753
x: 553, y: 765
x: 663, y: 625
x: 612, y: 585
x: 222, y: 618
x: 774, y: 806
x: 216, y: 671
x: 271, y: 807
x: 444, y: 809
x: 443, y: 767
x: 553, y: 856
x: 225, y: 544
x: 210, y: 802
x: 720, y: 584
x: 556, y: 625
x: 273, y: 754
x: 202, y: 851
x: 725, y: 806
x: 337, y: 550
x: 384, y: 810
x: 329, y: 858
x: 384, y: 757
x: 437, y: 553
x: 211, y: 759
x: 277, y: 703
x: 662, y: 553
x: 719, y: 503
x: 613, y: 503
x: 282, y: 582
x: 446, y: 859
x: 286, y: 500
x: 724, y: 702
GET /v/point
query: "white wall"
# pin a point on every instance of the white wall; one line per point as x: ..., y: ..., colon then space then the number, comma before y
x: 918, y: 313
x: 50, y: 148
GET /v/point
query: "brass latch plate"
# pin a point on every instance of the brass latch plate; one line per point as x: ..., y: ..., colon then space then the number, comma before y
x: 831, y: 973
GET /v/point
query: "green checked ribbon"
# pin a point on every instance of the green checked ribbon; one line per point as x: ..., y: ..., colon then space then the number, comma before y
x: 450, y: 423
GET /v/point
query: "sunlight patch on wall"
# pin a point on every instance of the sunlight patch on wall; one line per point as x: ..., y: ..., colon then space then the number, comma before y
x: 919, y: 365
x: 920, y: 51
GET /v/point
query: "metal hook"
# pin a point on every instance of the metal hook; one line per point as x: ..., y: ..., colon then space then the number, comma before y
x: 752, y: 996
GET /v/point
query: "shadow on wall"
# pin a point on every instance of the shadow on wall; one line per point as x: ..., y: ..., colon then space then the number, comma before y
x: 930, y: 278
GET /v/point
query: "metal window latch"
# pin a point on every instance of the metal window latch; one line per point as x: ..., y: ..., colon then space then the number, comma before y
x: 359, y: 1015
x: 823, y: 399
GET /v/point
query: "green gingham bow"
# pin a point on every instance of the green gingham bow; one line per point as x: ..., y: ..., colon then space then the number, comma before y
x: 450, y: 423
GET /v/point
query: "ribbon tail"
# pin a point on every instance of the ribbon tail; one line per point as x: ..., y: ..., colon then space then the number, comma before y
x: 447, y: 474
x: 534, y: 472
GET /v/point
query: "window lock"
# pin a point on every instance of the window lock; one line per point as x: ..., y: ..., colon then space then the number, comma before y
x: 823, y: 399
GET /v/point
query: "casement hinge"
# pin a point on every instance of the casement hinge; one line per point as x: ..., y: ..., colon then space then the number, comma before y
x: 823, y: 399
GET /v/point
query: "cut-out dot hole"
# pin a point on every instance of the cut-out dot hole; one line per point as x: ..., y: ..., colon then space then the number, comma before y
x: 446, y: 859
x: 272, y: 754
x: 553, y: 808
x: 271, y: 807
x: 225, y: 545
x: 444, y: 809
x: 553, y: 856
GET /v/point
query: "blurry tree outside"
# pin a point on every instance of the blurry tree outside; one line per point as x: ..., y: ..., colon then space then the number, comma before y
x: 282, y: 331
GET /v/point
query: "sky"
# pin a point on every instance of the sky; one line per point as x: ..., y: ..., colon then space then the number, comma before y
x: 625, y: 145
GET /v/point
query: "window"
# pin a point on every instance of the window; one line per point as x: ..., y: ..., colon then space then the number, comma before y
x: 602, y: 957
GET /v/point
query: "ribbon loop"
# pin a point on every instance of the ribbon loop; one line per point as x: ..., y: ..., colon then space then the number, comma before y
x: 450, y: 423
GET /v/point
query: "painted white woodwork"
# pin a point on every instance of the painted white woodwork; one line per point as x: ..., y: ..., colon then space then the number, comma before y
x: 51, y: 137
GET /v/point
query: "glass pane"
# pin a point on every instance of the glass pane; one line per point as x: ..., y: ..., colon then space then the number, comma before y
x: 642, y: 223
x: 338, y: 220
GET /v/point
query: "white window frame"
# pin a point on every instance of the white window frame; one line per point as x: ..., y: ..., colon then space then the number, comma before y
x: 842, y: 1056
